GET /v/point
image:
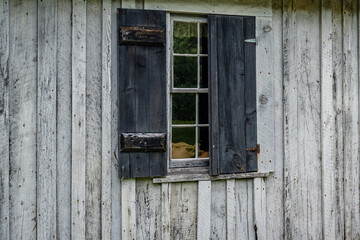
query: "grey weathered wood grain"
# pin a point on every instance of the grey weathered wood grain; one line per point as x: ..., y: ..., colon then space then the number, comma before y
x: 351, y: 118
x: 337, y: 49
x: 63, y: 120
x: 265, y: 93
x: 115, y: 181
x: 230, y: 209
x: 260, y: 208
x: 148, y: 209
x: 165, y: 210
x: 78, y: 165
x: 331, y: 148
x: 46, y: 119
x: 204, y: 210
x: 274, y: 183
x: 183, y: 210
x: 128, y: 209
x: 106, y: 120
x: 244, y: 209
x: 23, y: 115
x: 218, y: 210
x: 93, y: 118
x: 243, y: 7
x: 303, y: 199
x: 4, y: 120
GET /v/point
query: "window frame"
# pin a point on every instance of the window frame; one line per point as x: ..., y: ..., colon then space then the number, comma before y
x: 265, y: 98
x: 194, y: 165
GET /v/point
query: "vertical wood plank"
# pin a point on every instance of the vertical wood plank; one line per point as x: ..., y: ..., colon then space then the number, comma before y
x: 338, y: 61
x: 93, y: 118
x: 351, y: 118
x: 230, y: 210
x: 23, y: 118
x: 63, y: 141
x: 165, y: 210
x: 218, y: 210
x: 115, y: 180
x: 4, y: 120
x: 303, y: 200
x: 204, y: 210
x: 260, y: 209
x: 265, y: 93
x: 128, y: 209
x: 106, y: 121
x: 183, y: 210
x: 46, y: 119
x: 330, y: 63
x: 148, y: 209
x: 244, y: 210
x: 78, y: 119
x: 274, y: 183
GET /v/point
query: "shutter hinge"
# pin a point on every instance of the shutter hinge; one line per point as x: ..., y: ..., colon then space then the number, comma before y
x: 252, y: 40
x: 254, y: 149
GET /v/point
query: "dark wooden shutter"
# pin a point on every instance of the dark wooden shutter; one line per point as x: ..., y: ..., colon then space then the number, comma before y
x: 232, y: 94
x: 142, y: 90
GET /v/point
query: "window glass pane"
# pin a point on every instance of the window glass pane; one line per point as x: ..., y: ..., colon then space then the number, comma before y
x: 203, y: 142
x: 183, y: 108
x: 203, y: 108
x: 185, y: 72
x: 185, y: 37
x: 183, y: 143
x: 203, y: 38
x: 204, y: 72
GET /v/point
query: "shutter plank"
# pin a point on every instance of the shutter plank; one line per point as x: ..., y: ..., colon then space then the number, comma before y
x: 233, y: 94
x: 142, y: 94
x: 250, y: 95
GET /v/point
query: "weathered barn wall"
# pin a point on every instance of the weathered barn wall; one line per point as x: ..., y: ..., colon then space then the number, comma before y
x: 58, y: 128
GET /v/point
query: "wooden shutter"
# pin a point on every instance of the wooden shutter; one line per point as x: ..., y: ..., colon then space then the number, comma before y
x: 232, y: 94
x: 142, y: 93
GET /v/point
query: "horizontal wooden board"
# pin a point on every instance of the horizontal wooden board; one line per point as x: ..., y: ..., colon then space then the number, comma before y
x: 141, y: 35
x: 143, y: 142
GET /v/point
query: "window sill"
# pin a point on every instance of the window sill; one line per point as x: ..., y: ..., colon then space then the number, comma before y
x: 206, y: 177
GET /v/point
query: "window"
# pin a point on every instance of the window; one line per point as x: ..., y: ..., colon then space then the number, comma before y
x: 192, y: 83
x: 188, y: 93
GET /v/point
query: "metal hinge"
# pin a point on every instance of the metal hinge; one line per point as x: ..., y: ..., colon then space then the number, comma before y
x: 254, y: 149
x: 252, y: 40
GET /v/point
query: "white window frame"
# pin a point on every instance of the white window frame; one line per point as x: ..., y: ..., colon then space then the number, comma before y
x: 186, y: 164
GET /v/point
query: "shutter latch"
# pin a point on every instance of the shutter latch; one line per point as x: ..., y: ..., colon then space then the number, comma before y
x: 252, y: 40
x: 254, y: 149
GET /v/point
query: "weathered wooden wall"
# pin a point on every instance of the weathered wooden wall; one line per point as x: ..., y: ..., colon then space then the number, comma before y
x: 58, y: 129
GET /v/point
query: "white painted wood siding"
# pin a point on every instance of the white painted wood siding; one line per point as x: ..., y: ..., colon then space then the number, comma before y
x: 59, y: 117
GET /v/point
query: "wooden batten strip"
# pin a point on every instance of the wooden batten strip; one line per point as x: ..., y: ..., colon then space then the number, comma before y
x: 274, y: 183
x: 165, y: 210
x: 46, y: 119
x: 328, y: 128
x: 230, y: 210
x: 78, y: 119
x: 4, y: 121
x: 265, y: 94
x: 64, y: 118
x: 106, y: 122
x: 351, y: 118
x: 128, y: 209
x: 115, y: 182
x: 204, y: 210
x: 259, y: 207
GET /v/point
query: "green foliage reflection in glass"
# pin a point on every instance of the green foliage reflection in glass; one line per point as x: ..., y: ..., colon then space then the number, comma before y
x: 183, y: 108
x: 185, y: 72
x: 185, y: 37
